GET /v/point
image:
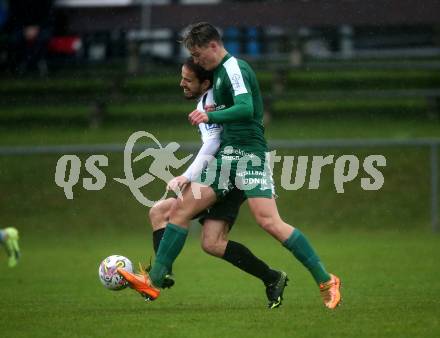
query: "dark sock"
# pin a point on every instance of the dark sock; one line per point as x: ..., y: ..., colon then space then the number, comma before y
x: 170, y: 246
x: 157, y: 237
x: 298, y: 244
x: 241, y: 257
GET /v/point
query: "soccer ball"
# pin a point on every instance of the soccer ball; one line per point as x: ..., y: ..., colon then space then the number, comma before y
x: 108, y: 275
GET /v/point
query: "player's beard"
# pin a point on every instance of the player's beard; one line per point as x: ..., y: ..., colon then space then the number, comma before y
x: 190, y: 95
x: 189, y: 98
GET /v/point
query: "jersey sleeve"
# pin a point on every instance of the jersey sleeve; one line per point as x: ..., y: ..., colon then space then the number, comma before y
x: 204, y: 156
x: 242, y: 110
x: 243, y: 107
x: 210, y: 131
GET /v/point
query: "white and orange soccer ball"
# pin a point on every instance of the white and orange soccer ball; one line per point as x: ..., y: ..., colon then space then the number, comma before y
x: 108, y: 275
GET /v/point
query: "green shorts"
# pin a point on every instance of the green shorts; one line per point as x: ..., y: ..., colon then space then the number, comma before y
x: 236, y: 169
x: 225, y: 209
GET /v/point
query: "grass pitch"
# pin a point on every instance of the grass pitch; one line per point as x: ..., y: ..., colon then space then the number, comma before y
x: 378, y: 243
x: 331, y: 127
x: 390, y: 288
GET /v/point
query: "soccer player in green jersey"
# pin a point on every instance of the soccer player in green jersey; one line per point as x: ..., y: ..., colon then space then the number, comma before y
x: 218, y: 220
x: 240, y: 163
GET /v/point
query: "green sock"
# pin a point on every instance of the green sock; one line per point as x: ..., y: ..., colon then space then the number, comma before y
x: 298, y: 244
x: 170, y: 246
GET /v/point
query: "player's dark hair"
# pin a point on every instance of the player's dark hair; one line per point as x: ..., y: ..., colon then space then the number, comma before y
x: 200, y: 34
x: 201, y: 73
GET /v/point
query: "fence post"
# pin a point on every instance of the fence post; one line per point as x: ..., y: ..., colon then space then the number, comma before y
x: 434, y: 186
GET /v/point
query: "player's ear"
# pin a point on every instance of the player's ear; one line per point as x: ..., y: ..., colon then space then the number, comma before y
x: 213, y: 45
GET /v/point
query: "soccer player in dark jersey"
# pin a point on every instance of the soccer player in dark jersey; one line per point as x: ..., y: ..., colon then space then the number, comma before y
x: 239, y: 108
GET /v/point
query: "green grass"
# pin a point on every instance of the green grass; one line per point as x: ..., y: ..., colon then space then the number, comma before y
x: 379, y: 242
x: 390, y: 288
x: 362, y: 78
x: 82, y: 82
x: 181, y: 130
x: 31, y: 198
x: 70, y: 100
x: 394, y: 107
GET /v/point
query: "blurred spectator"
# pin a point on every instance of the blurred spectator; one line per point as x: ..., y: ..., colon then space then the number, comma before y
x: 29, y: 27
x: 3, y: 13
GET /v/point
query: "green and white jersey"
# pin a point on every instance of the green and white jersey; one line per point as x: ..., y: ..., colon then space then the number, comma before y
x: 239, y: 106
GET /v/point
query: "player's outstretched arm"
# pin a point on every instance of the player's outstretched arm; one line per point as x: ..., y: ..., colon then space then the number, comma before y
x: 242, y: 110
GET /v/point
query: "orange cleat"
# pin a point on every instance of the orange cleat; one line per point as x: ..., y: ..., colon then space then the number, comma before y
x: 330, y: 292
x: 141, y: 283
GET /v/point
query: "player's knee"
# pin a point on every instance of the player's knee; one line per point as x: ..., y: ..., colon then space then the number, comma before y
x: 213, y: 247
x: 207, y: 245
x: 179, y: 214
x: 158, y: 215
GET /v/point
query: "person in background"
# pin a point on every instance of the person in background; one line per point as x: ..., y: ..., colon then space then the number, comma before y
x: 9, y: 238
x: 29, y: 28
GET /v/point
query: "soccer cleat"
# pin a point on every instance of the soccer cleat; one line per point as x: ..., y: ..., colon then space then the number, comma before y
x: 330, y: 292
x: 274, y: 291
x: 141, y: 282
x: 12, y: 247
x: 168, y: 281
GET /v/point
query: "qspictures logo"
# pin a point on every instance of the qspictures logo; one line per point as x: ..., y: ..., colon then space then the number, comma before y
x: 250, y: 171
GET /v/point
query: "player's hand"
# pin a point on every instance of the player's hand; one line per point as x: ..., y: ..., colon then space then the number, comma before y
x: 177, y: 183
x: 196, y: 117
